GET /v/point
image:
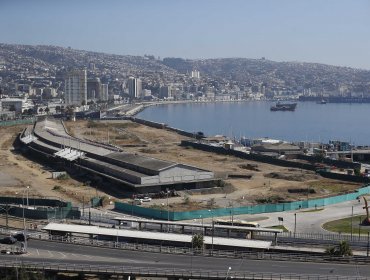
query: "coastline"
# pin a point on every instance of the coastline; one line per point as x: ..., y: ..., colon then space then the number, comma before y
x: 139, y: 107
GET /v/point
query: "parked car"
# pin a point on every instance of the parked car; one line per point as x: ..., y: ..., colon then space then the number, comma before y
x: 8, y: 240
x: 20, y: 236
x: 146, y: 199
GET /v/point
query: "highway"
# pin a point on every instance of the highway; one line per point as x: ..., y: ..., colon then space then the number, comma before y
x: 43, y: 251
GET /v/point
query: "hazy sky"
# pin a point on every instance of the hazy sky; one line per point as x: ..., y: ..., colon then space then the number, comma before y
x: 326, y: 31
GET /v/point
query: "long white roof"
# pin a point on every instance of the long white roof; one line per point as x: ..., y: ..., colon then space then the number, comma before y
x: 95, y: 230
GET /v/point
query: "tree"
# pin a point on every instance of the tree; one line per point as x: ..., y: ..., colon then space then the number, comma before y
x: 47, y: 110
x: 57, y: 109
x: 197, y: 241
x: 41, y: 111
x: 342, y: 249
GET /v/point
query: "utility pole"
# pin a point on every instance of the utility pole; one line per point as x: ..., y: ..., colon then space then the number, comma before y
x: 295, y: 223
x: 368, y: 244
x: 352, y: 223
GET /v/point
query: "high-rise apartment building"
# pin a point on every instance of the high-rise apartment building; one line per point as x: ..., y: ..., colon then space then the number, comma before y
x: 104, y: 92
x: 134, y: 87
x: 165, y: 92
x: 93, y: 89
x: 195, y: 74
x: 75, y: 92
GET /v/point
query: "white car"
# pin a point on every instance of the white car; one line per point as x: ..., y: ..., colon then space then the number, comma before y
x: 146, y: 199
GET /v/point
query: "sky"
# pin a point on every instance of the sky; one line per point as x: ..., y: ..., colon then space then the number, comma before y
x: 333, y: 32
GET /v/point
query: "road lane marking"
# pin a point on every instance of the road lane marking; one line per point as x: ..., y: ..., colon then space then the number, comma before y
x: 38, y: 253
x: 51, y: 255
x: 63, y: 255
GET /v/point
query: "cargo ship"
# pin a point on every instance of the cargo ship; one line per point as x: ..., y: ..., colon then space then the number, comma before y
x: 284, y: 107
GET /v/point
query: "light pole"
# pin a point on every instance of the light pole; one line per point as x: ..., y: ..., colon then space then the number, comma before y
x: 352, y: 223
x: 227, y: 273
x: 28, y: 187
x: 24, y: 222
x: 213, y: 231
x: 295, y: 223
x: 168, y: 213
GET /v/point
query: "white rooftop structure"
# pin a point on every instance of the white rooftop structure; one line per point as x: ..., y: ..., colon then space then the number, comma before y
x: 161, y: 236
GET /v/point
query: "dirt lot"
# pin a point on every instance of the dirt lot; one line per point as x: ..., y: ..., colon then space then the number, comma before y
x: 267, y: 183
x: 17, y: 172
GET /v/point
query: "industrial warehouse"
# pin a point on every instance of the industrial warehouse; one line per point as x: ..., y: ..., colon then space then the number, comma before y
x: 49, y: 138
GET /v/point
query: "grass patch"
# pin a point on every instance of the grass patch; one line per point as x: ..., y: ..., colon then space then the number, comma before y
x: 312, y: 210
x: 344, y: 225
x: 283, y: 228
x: 332, y: 187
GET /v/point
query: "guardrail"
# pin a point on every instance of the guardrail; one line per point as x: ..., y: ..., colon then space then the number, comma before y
x: 163, y: 272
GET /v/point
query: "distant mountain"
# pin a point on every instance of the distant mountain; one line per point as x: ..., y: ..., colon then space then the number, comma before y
x: 67, y: 57
x: 238, y: 71
x: 271, y: 73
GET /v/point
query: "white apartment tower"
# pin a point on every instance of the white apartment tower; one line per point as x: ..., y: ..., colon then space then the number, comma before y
x: 195, y: 74
x: 134, y: 88
x: 75, y: 92
x: 104, y: 92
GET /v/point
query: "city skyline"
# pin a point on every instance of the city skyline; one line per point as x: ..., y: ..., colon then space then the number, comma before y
x: 329, y: 32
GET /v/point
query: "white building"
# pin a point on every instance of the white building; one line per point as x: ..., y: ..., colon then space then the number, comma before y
x: 195, y: 74
x: 76, y: 88
x: 16, y: 105
x: 104, y: 92
x: 134, y: 87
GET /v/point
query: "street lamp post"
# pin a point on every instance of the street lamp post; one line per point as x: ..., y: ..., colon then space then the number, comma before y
x: 227, y: 273
x: 295, y: 223
x: 28, y: 187
x: 24, y: 223
x: 213, y: 231
x: 352, y: 223
x: 168, y: 213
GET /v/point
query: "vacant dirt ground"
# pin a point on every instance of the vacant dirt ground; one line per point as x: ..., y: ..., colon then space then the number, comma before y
x: 17, y: 172
x: 268, y: 183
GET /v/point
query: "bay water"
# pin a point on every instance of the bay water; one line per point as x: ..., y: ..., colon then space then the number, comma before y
x: 253, y: 119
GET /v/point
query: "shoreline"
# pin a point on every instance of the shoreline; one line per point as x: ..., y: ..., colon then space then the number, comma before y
x: 143, y: 105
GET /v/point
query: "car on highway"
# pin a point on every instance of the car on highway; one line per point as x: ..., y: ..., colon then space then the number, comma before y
x: 8, y: 240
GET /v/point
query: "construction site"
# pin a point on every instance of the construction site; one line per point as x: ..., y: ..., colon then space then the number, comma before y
x: 118, y: 159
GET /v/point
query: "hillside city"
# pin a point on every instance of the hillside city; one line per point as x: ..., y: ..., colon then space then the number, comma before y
x: 40, y: 79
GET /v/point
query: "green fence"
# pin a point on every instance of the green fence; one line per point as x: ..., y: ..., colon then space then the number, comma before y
x: 16, y: 122
x: 40, y: 208
x: 253, y: 209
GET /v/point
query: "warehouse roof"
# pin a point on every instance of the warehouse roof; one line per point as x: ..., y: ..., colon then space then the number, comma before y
x: 142, y: 161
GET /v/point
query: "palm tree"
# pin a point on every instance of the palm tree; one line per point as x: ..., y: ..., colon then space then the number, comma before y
x: 342, y: 249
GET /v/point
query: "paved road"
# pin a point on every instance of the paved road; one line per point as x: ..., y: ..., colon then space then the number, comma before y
x: 308, y: 222
x: 42, y: 251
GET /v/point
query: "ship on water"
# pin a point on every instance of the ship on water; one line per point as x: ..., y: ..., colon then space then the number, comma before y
x: 279, y: 106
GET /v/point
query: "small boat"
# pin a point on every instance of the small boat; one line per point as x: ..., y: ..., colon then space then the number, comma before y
x: 283, y: 107
x: 322, y: 101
